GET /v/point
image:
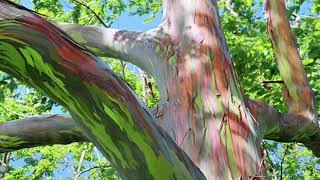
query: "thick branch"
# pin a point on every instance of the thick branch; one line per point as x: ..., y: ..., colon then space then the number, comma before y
x: 41, y: 55
x: 286, y: 127
x: 297, y: 92
x: 38, y: 131
x: 135, y: 47
x: 300, y: 124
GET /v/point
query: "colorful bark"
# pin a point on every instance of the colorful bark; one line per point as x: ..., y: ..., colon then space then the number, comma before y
x: 37, y: 131
x: 297, y: 92
x: 36, y: 52
x: 131, y: 46
x: 301, y: 123
x: 201, y: 102
x: 285, y: 127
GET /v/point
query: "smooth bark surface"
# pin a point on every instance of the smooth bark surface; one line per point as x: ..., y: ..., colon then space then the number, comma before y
x: 135, y: 47
x: 38, y: 131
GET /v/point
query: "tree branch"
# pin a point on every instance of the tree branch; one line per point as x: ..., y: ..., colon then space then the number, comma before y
x: 306, y: 17
x: 286, y: 127
x: 297, y: 92
x: 230, y: 8
x: 91, y: 168
x: 300, y: 124
x: 94, y: 13
x: 5, y: 164
x: 36, y: 52
x: 135, y: 47
x: 38, y: 131
x: 282, y: 160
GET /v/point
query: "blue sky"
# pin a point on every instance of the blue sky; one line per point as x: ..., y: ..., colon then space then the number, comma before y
x: 125, y: 21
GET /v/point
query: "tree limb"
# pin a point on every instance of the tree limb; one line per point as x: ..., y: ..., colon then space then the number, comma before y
x: 38, y: 131
x: 297, y: 92
x: 300, y: 124
x: 138, y: 48
x: 286, y: 127
x: 92, y: 11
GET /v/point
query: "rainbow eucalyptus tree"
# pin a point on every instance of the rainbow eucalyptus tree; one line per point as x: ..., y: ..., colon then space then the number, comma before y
x: 203, y: 126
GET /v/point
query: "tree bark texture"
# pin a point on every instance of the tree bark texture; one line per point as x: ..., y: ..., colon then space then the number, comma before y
x: 37, y: 131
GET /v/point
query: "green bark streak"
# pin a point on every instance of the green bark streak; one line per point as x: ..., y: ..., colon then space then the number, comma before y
x: 8, y: 142
x: 230, y: 152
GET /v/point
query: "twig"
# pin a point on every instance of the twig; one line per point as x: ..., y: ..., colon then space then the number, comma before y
x: 267, y: 154
x: 123, y: 67
x: 71, y: 166
x: 95, y: 14
x: 83, y: 153
x: 5, y: 164
x: 230, y: 8
x: 276, y: 81
x: 93, y: 167
x: 282, y: 160
x: 12, y: 112
x: 306, y: 17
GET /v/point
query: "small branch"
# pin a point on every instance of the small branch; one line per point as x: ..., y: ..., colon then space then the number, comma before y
x: 304, y: 16
x: 282, y: 160
x: 271, y: 82
x: 93, y: 167
x: 70, y: 165
x: 93, y: 12
x: 123, y: 67
x: 13, y: 112
x: 147, y: 90
x: 5, y: 164
x: 83, y: 153
x: 230, y: 8
x: 267, y: 154
x: 144, y: 86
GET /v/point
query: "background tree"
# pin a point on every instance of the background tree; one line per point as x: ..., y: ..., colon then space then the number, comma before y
x: 242, y: 34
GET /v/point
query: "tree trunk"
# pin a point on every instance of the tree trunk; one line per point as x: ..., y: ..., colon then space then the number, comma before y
x: 202, y: 114
x: 201, y: 101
